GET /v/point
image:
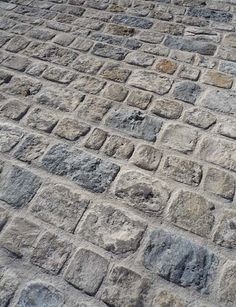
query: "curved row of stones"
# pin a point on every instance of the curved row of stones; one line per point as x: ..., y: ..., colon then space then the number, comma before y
x: 117, y: 153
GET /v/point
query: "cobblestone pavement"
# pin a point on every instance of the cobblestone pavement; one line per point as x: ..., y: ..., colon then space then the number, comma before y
x: 117, y: 153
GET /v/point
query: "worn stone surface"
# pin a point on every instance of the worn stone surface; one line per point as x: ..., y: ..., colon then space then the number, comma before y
x: 59, y: 206
x: 41, y: 294
x: 86, y: 271
x: 182, y: 170
x: 142, y: 192
x: 135, y: 123
x: 192, y: 212
x: 119, y: 233
x: 225, y: 234
x: 50, y: 253
x: 117, y: 117
x: 188, y: 266
x: 83, y: 168
x: 150, y: 81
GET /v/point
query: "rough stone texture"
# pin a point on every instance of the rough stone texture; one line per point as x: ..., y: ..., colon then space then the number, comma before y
x: 180, y: 138
x: 150, y: 81
x: 225, y: 234
x: 226, y: 290
x: 192, y: 212
x: 112, y: 229
x: 41, y: 294
x: 123, y: 287
x: 221, y: 101
x: 18, y: 186
x: 86, y: 271
x: 135, y: 123
x: 178, y: 260
x: 142, y: 192
x: 83, y: 168
x: 117, y: 116
x: 59, y: 206
x: 182, y: 170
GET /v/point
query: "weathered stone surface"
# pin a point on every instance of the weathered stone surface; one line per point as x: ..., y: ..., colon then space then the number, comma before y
x: 87, y: 64
x: 18, y: 186
x: 187, y: 91
x: 220, y: 183
x: 96, y: 139
x: 225, y: 234
x: 59, y: 206
x: 94, y: 108
x: 115, y: 92
x: 31, y: 148
x: 220, y: 101
x: 123, y: 287
x: 86, y: 271
x: 167, y: 108
x: 183, y: 170
x: 228, y: 129
x: 199, y: 118
x: 118, y: 147
x: 166, y: 66
x: 85, y: 169
x: 41, y: 119
x: 20, y: 236
x: 210, y: 14
x: 10, y: 136
x: 58, y: 75
x: 112, y: 229
x: 139, y: 99
x: 226, y: 290
x: 59, y: 98
x: 142, y: 192
x: 147, y: 157
x: 115, y: 72
x: 88, y: 84
x: 16, y: 62
x: 217, y: 79
x: 17, y: 44
x: 192, y: 212
x: 22, y: 86
x: 50, y: 253
x: 14, y: 109
x: 168, y: 27
x: 109, y: 51
x: 168, y: 298
x: 41, y: 294
x: 51, y: 53
x: 140, y: 59
x: 179, y: 137
x: 150, y: 81
x: 179, y: 260
x: 188, y: 72
x: 132, y: 21
x: 228, y: 67
x: 135, y: 123
x: 8, y: 284
x: 189, y: 45
x: 71, y: 129
x: 219, y: 152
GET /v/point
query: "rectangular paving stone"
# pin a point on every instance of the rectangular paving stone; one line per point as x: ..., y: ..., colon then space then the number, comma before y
x: 189, y: 45
x: 135, y: 123
x: 81, y: 167
x: 109, y: 51
x: 150, y: 81
x: 132, y: 21
x: 220, y: 101
x: 60, y: 206
x: 179, y: 260
x: 18, y: 186
x: 115, y: 230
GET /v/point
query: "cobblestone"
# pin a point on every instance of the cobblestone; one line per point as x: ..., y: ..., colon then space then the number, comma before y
x: 117, y: 117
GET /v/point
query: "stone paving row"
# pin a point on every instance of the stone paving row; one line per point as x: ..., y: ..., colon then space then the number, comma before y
x: 117, y: 153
